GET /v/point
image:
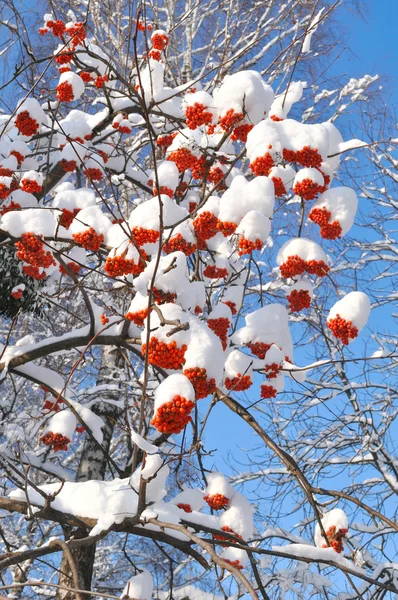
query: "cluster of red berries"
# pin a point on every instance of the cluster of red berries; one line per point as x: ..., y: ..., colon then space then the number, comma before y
x: 216, y: 176
x: 262, y: 164
x: 206, y: 226
x: 63, y: 58
x: 343, y: 330
x: 336, y: 538
x: 279, y: 186
x: 216, y: 501
x: 121, y: 128
x: 144, y: 236
x: 240, y: 132
x: 117, y: 266
x: 267, y: 391
x: 20, y: 157
x: 104, y: 319
x: 6, y: 172
x: 232, y: 306
x: 163, y: 190
x: 167, y: 356
x: 159, y: 41
x: 223, y: 538
x: 141, y: 26
x: 198, y: 169
x: 275, y: 118
x: 239, y: 383
x: 89, y: 239
x: 26, y: 124
x: 307, y: 157
x: 230, y: 119
x: 321, y: 216
x: 86, y: 76
x: 31, y: 186
x: 93, y: 174
x: 295, y: 265
x: 17, y: 294
x: 272, y: 370
x: 164, y: 141
x: 56, y: 441
x: 155, y: 55
x: 57, y: 28
x: 185, y: 507
x: 69, y: 166
x: 177, y: 242
x: 202, y: 386
x: 5, y: 191
x: 197, y: 115
x: 172, y: 416
x: 234, y: 563
x: 68, y: 216
x: 298, y: 300
x: 31, y: 251
x: 259, y: 349
x: 220, y: 327
x: 100, y: 81
x: 307, y: 189
x: 226, y: 227
x: 74, y: 267
x: 213, y: 272
x: 138, y: 317
x: 65, y: 92
x: 161, y: 297
x: 247, y: 247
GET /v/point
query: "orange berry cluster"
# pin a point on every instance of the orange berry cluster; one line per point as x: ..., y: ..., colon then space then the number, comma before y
x: 55, y: 406
x: 104, y: 319
x: 86, y: 76
x: 317, y: 267
x: 181, y: 189
x: 56, y: 441
x: 61, y: 70
x: 240, y: 132
x: 20, y: 157
x: 247, y: 247
x: 117, y: 266
x: 72, y: 266
x: 262, y: 164
x: 259, y: 349
x: 297, y: 266
x: 172, y: 416
x: 272, y: 370
x: 34, y: 272
x: 185, y: 507
x: 167, y: 356
x: 199, y: 168
x: 31, y: 186
x: 220, y: 327
x: 206, y: 226
x: 223, y: 538
x: 68, y: 165
x: 159, y: 41
x: 31, y: 251
x: 232, y: 306
x: 267, y: 391
x: 326, y: 179
x: 141, y: 26
x: 234, y: 563
x: 298, y: 300
x: 65, y: 92
x: 198, y: 310
x: 307, y: 189
x: 17, y: 294
x: 213, y: 272
x: 93, y: 174
x: 138, y: 317
x: 239, y: 383
x: 343, y: 330
x: 89, y: 239
x: 226, y: 227
x: 336, y: 538
x: 321, y: 216
x: 216, y: 176
x: 57, y: 28
x: 279, y: 186
x: 307, y: 157
x: 64, y: 57
x: 100, y: 80
x: 144, y: 236
x: 230, y: 119
x: 196, y: 115
x: 6, y: 172
x: 177, y: 242
x: 192, y: 206
x: 216, y: 501
x: 275, y: 118
x: 155, y: 55
x: 161, y: 297
x: 4, y: 191
x: 202, y: 386
x: 68, y: 216
x: 164, y: 141
x: 163, y: 190
x: 25, y: 124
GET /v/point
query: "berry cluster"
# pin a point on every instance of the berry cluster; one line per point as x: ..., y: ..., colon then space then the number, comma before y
x: 216, y: 501
x: 159, y: 41
x: 216, y: 176
x: 275, y: 118
x: 138, y: 317
x: 155, y: 55
x: 25, y: 124
x: 240, y: 133
x: 31, y: 251
x: 86, y: 76
x: 185, y: 507
x: 164, y: 141
x: 267, y: 391
x: 223, y: 538
x: 144, y: 236
x: 167, y: 356
x: 69, y: 166
x: 336, y: 538
x: 343, y: 330
x: 220, y: 327
x: 100, y: 81
x: 117, y: 266
x: 5, y: 191
x: 234, y: 563
x: 202, y: 386
x: 56, y: 441
x: 321, y: 216
x: 72, y: 266
x: 20, y: 157
x: 163, y: 190
x: 230, y: 119
x: 63, y: 58
x: 177, y: 242
x: 161, y: 297
x: 172, y: 416
x: 93, y: 174
x: 17, y: 294
x: 295, y: 265
x: 6, y: 172
x: 104, y: 319
x: 259, y: 349
x: 307, y: 189
x: 232, y: 306
x: 31, y: 186
x: 279, y: 186
x: 213, y: 272
x: 262, y: 164
x: 199, y: 168
x: 239, y: 383
x: 247, y: 246
x: 65, y: 92
x: 226, y: 227
x: 307, y: 157
x: 298, y: 300
x: 272, y: 370
x: 68, y: 216
x: 196, y: 115
x: 89, y: 239
x: 206, y: 226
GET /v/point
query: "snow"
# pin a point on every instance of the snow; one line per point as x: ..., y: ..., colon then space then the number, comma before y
x: 75, y: 81
x: 334, y: 518
x: 139, y: 587
x: 34, y: 109
x: 302, y: 247
x: 192, y: 497
x: 72, y: 198
x: 238, y: 516
x: 269, y: 325
x: 90, y: 419
x: 342, y: 203
x: 311, y: 30
x: 174, y: 385
x: 254, y: 226
x: 37, y: 220
x: 284, y: 102
x: 218, y: 484
x: 171, y: 274
x: 354, y: 307
x: 91, y: 216
x: 311, y: 174
x: 244, y: 92
x: 63, y: 422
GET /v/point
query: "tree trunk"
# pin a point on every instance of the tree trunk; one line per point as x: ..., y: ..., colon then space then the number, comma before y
x: 93, y: 465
